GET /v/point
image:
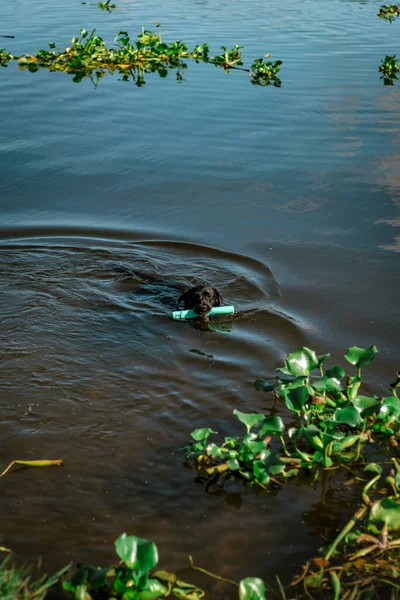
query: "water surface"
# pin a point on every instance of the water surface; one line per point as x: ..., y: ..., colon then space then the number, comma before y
x: 285, y: 199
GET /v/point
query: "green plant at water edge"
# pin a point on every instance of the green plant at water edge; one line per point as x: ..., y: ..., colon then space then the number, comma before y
x: 330, y: 422
x: 134, y: 579
x: 16, y: 583
x: 389, y: 69
x: 88, y: 56
x: 365, y: 555
x: 389, y: 13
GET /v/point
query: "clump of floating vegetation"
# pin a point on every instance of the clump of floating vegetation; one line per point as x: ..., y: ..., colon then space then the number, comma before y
x: 106, y: 6
x: 5, y: 57
x: 88, y: 56
x: 389, y: 69
x: 389, y: 13
x: 330, y: 424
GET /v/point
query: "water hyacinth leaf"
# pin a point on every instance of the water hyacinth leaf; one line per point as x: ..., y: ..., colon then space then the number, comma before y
x: 248, y: 419
x: 386, y: 511
x: 297, y: 398
x: 367, y: 405
x: 272, y: 426
x: 215, y: 451
x: 137, y: 553
x: 262, y: 385
x: 233, y: 464
x: 300, y: 363
x: 327, y: 384
x: 153, y: 589
x: 348, y: 416
x: 202, y: 434
x: 359, y: 356
x: 336, y: 372
x: 255, y: 446
x: 390, y: 405
x: 252, y: 588
x: 273, y: 463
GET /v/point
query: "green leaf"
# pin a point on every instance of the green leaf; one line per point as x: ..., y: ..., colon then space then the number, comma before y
x: 359, y: 356
x: 336, y: 372
x: 328, y: 384
x: 390, y: 405
x: 262, y: 385
x: 367, y: 405
x: 255, y: 446
x: 272, y: 426
x: 250, y: 420
x: 349, y: 416
x: 215, y: 451
x: 252, y: 588
x: 297, y: 398
x: 301, y: 362
x: 202, y: 434
x: 153, y: 589
x: 273, y: 463
x: 386, y: 511
x: 233, y: 464
x: 137, y: 553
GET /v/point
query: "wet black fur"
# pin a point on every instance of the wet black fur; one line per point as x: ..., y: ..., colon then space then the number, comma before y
x: 201, y: 299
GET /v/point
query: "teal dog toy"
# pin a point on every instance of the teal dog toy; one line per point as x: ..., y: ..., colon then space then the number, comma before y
x: 180, y: 315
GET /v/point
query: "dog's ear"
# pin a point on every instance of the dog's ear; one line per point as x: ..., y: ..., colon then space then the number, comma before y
x: 219, y: 299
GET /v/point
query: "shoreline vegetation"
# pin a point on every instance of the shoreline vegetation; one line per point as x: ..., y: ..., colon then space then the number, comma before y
x: 329, y: 425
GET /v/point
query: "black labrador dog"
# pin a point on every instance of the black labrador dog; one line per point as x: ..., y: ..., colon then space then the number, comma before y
x: 201, y: 299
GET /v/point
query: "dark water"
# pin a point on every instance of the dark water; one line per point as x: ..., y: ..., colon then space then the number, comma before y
x: 286, y: 199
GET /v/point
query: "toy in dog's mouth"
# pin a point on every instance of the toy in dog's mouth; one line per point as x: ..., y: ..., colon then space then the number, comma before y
x: 202, y: 309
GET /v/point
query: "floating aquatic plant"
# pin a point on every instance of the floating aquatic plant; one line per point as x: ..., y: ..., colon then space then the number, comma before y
x: 88, y: 56
x: 330, y: 424
x: 5, y: 57
x: 389, y: 69
x: 106, y: 6
x: 389, y: 13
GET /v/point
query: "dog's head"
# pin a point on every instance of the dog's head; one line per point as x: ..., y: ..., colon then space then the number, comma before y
x: 201, y: 299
